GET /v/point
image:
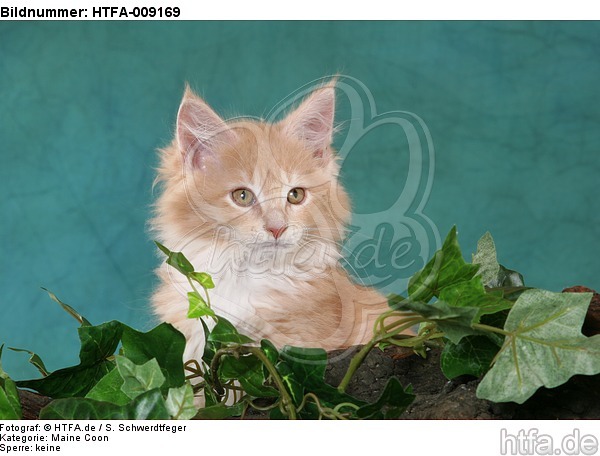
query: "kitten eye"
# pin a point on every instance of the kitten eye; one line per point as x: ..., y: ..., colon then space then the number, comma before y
x: 243, y: 197
x: 296, y: 195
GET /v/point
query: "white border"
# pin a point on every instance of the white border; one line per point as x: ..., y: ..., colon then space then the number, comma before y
x: 345, y: 10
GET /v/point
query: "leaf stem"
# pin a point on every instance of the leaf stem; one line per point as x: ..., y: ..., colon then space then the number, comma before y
x: 380, y: 336
x: 379, y: 322
x: 286, y: 399
x: 402, y: 325
x: 192, y: 285
x: 214, y: 368
x: 356, y: 362
x: 260, y: 408
x: 489, y: 328
x: 207, y: 297
x: 330, y: 413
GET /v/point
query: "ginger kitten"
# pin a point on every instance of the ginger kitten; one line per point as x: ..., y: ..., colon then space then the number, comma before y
x: 259, y: 206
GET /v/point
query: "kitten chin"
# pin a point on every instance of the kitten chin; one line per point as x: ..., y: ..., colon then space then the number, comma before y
x: 259, y: 207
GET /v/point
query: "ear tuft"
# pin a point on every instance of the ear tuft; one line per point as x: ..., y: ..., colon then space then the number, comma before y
x: 200, y: 130
x: 312, y: 121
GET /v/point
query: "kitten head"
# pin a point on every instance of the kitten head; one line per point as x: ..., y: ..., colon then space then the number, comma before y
x: 270, y: 190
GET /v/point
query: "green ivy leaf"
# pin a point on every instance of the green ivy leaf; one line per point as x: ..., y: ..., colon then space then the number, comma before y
x: 198, y: 307
x: 147, y: 406
x: 471, y: 356
x: 226, y: 333
x: 507, y: 278
x: 98, y: 343
x: 163, y: 343
x: 544, y: 346
x: 138, y: 379
x: 446, y: 268
x: 34, y: 359
x: 177, y: 260
x: 485, y: 257
x: 454, y: 322
x: 210, y: 347
x: 210, y: 396
x: 493, y: 274
x: 69, y: 382
x: 204, y: 279
x: 10, y: 405
x: 303, y: 371
x: 180, y: 402
x: 248, y: 371
x: 220, y: 411
x: 108, y: 389
x: 472, y: 294
x: 392, y: 402
x: 294, y: 387
x: 270, y: 352
x: 82, y: 321
x: 308, y: 364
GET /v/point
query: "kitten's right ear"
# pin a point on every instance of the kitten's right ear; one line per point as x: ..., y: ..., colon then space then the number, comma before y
x: 200, y: 130
x: 312, y: 121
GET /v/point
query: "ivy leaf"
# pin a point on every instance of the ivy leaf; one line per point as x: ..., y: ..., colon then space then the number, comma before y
x: 210, y: 347
x: 543, y: 346
x: 98, y: 343
x: 303, y: 371
x: 180, y: 402
x: 308, y: 364
x: 108, y: 389
x: 138, y: 379
x: 507, y: 278
x: 294, y: 387
x: 485, y: 257
x: 210, y: 396
x: 471, y: 356
x: 454, y: 322
x: 177, y: 260
x: 248, y: 371
x: 392, y: 402
x: 34, y: 359
x: 446, y: 268
x: 163, y: 343
x: 198, y: 307
x: 220, y: 411
x: 270, y: 352
x: 226, y: 333
x: 204, y: 279
x: 147, y: 406
x: 82, y: 321
x: 493, y: 274
x: 10, y: 405
x: 472, y: 294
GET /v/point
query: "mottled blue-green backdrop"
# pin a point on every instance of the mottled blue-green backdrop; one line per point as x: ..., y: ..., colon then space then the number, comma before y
x: 513, y: 109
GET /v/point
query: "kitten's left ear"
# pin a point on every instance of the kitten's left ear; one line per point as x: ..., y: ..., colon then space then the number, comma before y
x: 312, y: 121
x: 200, y: 131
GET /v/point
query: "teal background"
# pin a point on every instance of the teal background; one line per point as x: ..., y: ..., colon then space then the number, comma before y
x: 513, y: 109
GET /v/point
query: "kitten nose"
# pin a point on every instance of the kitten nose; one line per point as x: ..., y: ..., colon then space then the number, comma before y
x: 276, y: 231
